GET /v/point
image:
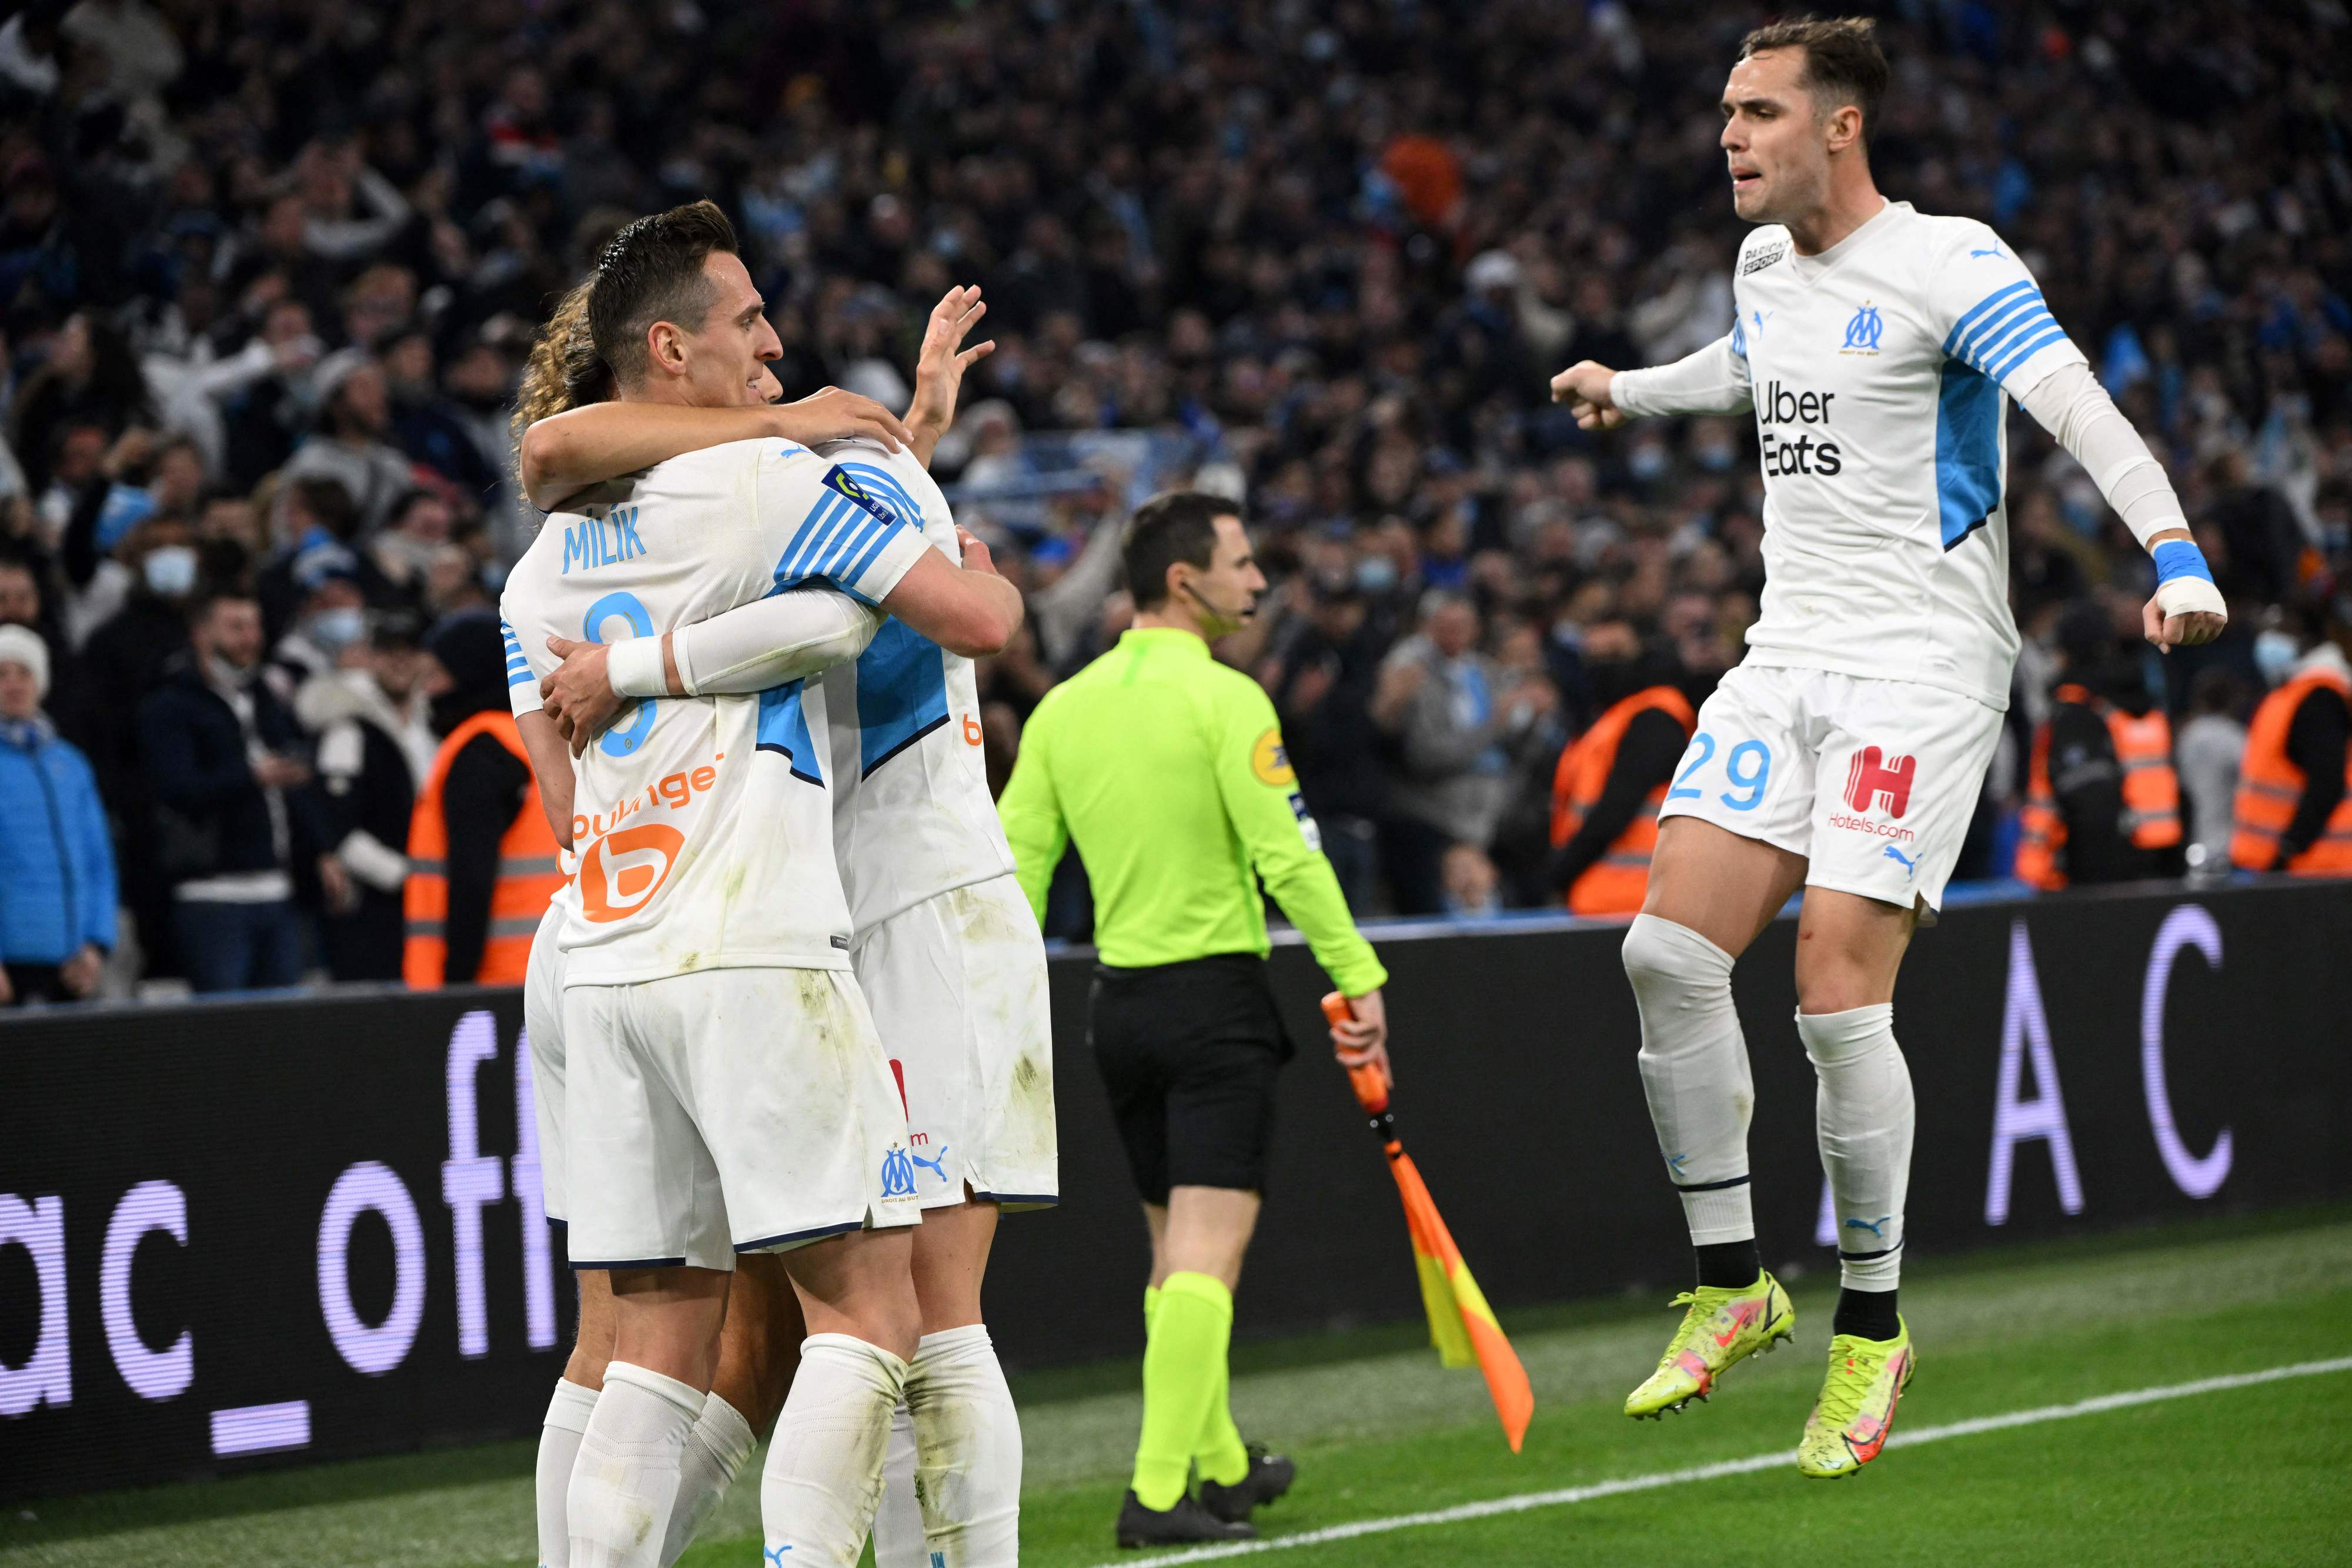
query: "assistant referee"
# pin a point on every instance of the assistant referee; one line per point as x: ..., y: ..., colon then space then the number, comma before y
x: 1168, y: 770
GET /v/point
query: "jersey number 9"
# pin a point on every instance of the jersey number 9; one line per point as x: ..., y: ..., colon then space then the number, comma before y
x: 621, y: 741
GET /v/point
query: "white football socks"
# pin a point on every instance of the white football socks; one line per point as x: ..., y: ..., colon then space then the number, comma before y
x: 559, y: 1446
x: 825, y: 1465
x: 967, y: 1449
x: 626, y: 1478
x: 716, y: 1452
x: 1695, y: 1072
x: 1864, y: 1116
x: 898, y: 1522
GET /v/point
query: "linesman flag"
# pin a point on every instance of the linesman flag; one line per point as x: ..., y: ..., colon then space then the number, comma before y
x: 1461, y: 1324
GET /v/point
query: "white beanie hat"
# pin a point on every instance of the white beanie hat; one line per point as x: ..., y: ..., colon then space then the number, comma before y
x: 23, y: 645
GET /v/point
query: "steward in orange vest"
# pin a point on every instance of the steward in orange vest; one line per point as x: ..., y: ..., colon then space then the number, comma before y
x: 482, y: 860
x: 2294, y: 785
x: 1611, y: 781
x: 2111, y: 811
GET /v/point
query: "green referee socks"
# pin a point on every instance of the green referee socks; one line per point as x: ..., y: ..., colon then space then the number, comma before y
x: 1222, y: 1457
x: 1184, y: 1377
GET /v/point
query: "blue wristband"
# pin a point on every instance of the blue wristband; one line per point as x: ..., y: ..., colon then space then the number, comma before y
x: 2180, y: 557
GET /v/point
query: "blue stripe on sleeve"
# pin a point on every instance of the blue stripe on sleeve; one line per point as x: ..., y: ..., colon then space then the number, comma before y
x: 824, y: 519
x: 1990, y: 344
x: 1738, y: 338
x: 857, y: 570
x: 1989, y: 302
x: 2027, y: 350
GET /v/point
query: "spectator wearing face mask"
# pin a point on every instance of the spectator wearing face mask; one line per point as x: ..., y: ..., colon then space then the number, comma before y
x: 57, y: 870
x: 2294, y: 785
x: 374, y: 746
x: 323, y: 533
x: 232, y: 815
x: 333, y: 617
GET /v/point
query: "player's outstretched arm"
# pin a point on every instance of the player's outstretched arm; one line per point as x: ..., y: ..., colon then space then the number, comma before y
x: 2187, y: 609
x: 939, y: 368
x: 768, y: 642
x: 1712, y: 380
x: 967, y: 609
x: 566, y: 453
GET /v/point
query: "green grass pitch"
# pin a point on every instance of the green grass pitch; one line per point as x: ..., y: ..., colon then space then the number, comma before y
x: 2245, y: 1475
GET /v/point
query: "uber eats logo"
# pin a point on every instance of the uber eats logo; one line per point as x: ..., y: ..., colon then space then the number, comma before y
x: 1777, y: 408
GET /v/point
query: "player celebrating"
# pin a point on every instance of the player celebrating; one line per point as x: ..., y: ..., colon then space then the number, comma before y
x: 1879, y: 349
x: 764, y: 1322
x: 726, y: 1091
x: 945, y: 949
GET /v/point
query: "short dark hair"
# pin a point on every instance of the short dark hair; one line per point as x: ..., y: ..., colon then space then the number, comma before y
x: 328, y: 500
x: 1176, y: 525
x: 653, y: 272
x: 1843, y: 63
x: 210, y: 596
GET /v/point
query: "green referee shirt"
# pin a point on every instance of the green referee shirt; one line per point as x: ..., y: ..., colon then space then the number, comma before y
x: 1169, y: 770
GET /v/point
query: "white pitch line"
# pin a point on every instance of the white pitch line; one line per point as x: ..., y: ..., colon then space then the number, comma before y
x: 1753, y: 1462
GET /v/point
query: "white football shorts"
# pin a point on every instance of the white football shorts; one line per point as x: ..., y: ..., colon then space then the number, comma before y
x: 542, y: 1025
x: 1873, y: 782
x: 958, y: 988
x: 727, y: 1111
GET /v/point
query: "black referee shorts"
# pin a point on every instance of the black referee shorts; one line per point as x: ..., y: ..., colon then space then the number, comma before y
x: 1189, y: 1053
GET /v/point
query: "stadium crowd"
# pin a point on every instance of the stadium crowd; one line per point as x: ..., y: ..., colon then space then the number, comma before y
x: 268, y: 270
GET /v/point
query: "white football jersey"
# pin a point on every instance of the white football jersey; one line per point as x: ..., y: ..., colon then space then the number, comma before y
x: 912, y: 816
x: 1881, y: 373
x: 704, y: 825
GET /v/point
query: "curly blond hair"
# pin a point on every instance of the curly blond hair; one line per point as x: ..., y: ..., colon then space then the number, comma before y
x: 564, y: 371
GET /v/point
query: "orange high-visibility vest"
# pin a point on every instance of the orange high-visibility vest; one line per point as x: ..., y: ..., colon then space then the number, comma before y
x: 1616, y: 883
x: 2151, y: 789
x: 2270, y: 786
x: 528, y: 876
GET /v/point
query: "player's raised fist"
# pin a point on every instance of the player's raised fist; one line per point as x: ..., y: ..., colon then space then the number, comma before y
x: 1584, y: 387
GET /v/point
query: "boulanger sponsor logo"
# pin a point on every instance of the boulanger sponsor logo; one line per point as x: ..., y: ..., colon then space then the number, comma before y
x: 1270, y: 760
x: 623, y: 867
x: 622, y: 872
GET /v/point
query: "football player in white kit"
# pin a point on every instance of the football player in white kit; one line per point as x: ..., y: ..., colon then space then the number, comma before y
x: 757, y: 1349
x: 1879, y: 349
x: 946, y: 951
x: 726, y: 1092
